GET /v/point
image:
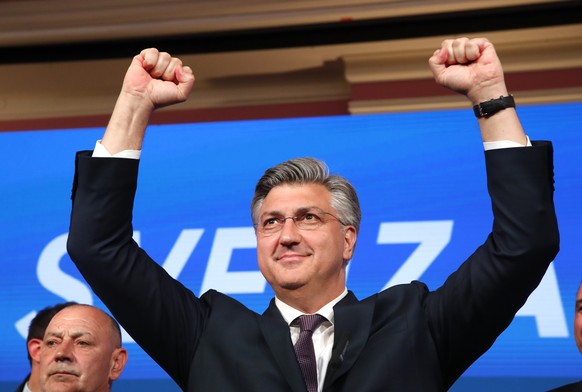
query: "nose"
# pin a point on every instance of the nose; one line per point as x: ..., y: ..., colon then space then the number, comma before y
x: 289, y: 233
x: 64, y: 352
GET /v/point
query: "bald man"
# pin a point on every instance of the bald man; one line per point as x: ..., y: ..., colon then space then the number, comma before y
x: 81, y: 351
x: 577, y: 386
x: 36, y: 332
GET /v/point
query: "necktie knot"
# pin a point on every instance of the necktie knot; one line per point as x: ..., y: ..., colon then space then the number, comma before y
x: 310, y: 322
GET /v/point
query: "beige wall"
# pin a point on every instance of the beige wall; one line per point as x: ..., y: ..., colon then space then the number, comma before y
x: 541, y: 64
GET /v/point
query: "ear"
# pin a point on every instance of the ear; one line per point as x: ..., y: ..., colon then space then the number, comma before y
x: 350, y: 237
x: 34, y: 345
x: 118, y: 361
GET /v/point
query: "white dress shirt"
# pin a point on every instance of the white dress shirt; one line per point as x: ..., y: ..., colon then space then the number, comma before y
x: 322, y: 337
x: 101, y: 152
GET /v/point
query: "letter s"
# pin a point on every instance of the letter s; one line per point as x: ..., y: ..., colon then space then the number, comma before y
x: 52, y: 278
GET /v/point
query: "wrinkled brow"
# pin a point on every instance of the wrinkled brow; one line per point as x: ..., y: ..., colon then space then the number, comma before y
x: 74, y: 335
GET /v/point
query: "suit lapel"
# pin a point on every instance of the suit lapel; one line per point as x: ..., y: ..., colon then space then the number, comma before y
x: 352, y: 322
x: 276, y: 333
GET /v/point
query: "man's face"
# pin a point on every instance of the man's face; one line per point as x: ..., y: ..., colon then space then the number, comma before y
x: 79, y: 352
x: 295, y: 260
x: 578, y: 319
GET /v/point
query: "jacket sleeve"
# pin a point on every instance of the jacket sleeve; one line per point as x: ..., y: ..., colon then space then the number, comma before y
x: 160, y: 314
x: 479, y: 301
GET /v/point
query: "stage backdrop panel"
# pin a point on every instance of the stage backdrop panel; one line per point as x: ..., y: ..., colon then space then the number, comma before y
x: 421, y: 182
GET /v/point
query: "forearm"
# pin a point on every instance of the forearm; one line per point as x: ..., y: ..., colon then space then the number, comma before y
x: 503, y: 125
x: 127, y: 126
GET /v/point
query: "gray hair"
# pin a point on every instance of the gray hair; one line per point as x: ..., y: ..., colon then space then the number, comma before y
x: 344, y: 199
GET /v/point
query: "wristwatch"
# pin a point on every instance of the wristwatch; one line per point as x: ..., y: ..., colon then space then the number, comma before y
x: 489, y: 108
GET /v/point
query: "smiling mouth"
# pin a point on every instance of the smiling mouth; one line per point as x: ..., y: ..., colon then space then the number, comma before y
x: 290, y: 257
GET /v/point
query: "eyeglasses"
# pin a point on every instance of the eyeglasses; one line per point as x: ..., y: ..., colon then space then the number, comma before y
x: 311, y: 219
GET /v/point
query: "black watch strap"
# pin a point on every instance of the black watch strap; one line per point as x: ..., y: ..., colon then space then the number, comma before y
x: 489, y: 108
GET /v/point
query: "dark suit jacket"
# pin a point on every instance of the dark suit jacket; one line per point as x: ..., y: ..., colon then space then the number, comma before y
x: 20, y: 387
x: 574, y: 387
x: 405, y: 338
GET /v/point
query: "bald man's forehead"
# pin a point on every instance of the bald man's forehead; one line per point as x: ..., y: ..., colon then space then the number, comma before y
x: 84, y: 313
x: 81, y: 320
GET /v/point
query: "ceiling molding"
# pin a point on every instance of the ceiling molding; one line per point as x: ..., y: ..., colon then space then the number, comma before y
x: 38, y: 21
x: 356, y: 77
x: 23, y: 42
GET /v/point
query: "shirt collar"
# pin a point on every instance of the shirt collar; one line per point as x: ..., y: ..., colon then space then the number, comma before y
x: 289, y: 313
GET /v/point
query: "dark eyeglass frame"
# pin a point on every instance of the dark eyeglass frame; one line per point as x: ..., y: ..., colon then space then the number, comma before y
x: 300, y: 220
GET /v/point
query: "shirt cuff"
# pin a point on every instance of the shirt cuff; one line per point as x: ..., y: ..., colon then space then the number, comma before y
x: 504, y: 144
x: 101, y: 152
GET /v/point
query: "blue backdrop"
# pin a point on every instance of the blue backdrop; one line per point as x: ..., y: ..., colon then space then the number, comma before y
x: 421, y: 182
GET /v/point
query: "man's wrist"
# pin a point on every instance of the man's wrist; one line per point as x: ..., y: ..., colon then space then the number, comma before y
x: 505, y: 144
x: 489, y: 108
x: 101, y: 152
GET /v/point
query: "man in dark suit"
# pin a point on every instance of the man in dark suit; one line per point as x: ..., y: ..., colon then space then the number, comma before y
x: 576, y: 386
x: 405, y: 338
